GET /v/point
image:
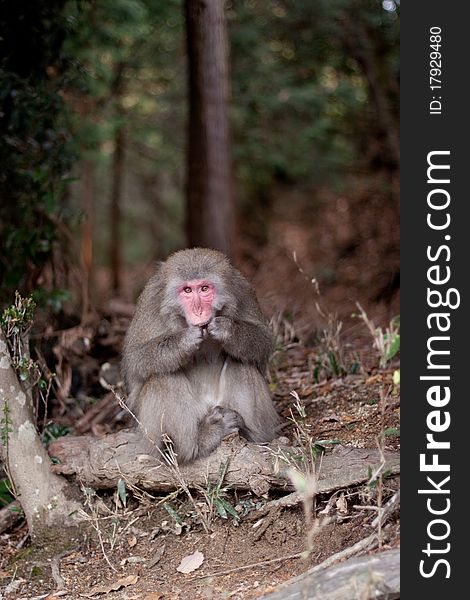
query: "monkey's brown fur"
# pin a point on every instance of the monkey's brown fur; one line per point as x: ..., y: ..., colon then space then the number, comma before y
x: 199, y: 384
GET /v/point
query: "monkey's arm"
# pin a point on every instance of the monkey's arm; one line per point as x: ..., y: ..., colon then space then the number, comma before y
x: 246, y: 341
x: 161, y: 355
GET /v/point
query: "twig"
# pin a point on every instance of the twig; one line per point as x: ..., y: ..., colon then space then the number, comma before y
x: 250, y: 566
x: 368, y: 543
x: 55, y: 572
x: 387, y: 510
x: 273, y: 516
x: 103, y: 551
x: 169, y: 458
x: 22, y: 541
x: 94, y: 522
x: 130, y: 524
x: 290, y: 500
x: 380, y: 443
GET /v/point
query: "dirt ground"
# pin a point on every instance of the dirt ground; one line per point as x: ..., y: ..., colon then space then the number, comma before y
x: 137, y: 549
x: 347, y: 243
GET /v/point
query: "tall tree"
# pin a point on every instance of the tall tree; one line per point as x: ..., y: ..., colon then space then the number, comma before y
x: 115, y: 252
x: 86, y: 241
x: 210, y: 193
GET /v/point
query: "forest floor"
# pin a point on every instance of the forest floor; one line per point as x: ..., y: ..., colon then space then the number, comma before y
x: 348, y: 246
x: 135, y: 550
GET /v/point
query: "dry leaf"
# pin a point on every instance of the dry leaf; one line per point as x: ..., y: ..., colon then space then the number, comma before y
x: 342, y: 505
x: 157, y: 556
x: 326, y: 510
x: 373, y: 379
x: 191, y: 562
x: 113, y: 587
x: 332, y: 417
x: 135, y: 559
x: 348, y: 419
x: 131, y: 541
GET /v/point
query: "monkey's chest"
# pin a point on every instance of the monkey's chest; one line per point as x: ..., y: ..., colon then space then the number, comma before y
x: 206, y: 375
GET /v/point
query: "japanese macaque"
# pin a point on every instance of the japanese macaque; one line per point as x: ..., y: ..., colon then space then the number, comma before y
x: 195, y: 356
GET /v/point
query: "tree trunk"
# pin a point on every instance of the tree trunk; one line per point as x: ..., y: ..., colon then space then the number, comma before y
x: 44, y: 497
x: 378, y: 95
x: 359, y: 42
x: 86, y: 247
x: 115, y: 210
x: 210, y: 197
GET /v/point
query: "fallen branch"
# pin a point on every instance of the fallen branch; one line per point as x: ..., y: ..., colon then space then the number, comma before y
x: 101, y: 462
x: 384, y: 513
x: 364, y: 545
x: 291, y: 499
x: 370, y: 576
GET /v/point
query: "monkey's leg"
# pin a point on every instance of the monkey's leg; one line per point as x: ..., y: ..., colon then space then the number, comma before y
x: 244, y: 389
x: 168, y: 406
x: 165, y: 406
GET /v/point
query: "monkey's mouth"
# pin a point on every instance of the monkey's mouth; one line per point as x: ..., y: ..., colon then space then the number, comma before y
x: 200, y: 321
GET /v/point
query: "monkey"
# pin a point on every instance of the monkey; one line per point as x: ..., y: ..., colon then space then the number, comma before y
x: 195, y: 356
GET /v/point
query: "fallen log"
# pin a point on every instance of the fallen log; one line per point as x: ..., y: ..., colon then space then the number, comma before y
x: 101, y: 462
x: 370, y: 576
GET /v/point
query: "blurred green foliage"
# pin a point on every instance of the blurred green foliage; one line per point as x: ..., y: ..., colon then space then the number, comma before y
x: 52, y: 432
x: 132, y: 75
x: 34, y: 139
x: 6, y: 495
x: 314, y: 95
x: 302, y: 78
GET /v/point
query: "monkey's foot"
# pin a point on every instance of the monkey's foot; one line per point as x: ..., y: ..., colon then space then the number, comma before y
x: 224, y: 420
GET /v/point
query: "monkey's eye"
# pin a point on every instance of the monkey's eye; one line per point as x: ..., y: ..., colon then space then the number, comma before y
x: 205, y: 288
x: 187, y: 290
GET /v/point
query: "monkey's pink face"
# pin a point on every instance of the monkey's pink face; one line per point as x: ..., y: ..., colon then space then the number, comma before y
x: 197, y: 297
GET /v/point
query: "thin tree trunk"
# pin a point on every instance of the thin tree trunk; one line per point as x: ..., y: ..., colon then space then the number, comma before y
x: 358, y: 42
x: 385, y: 117
x: 115, y: 210
x: 210, y: 197
x: 44, y: 497
x: 86, y: 247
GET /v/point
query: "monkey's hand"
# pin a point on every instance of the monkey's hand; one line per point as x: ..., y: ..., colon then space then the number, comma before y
x: 221, y: 328
x: 244, y: 341
x: 191, y: 338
